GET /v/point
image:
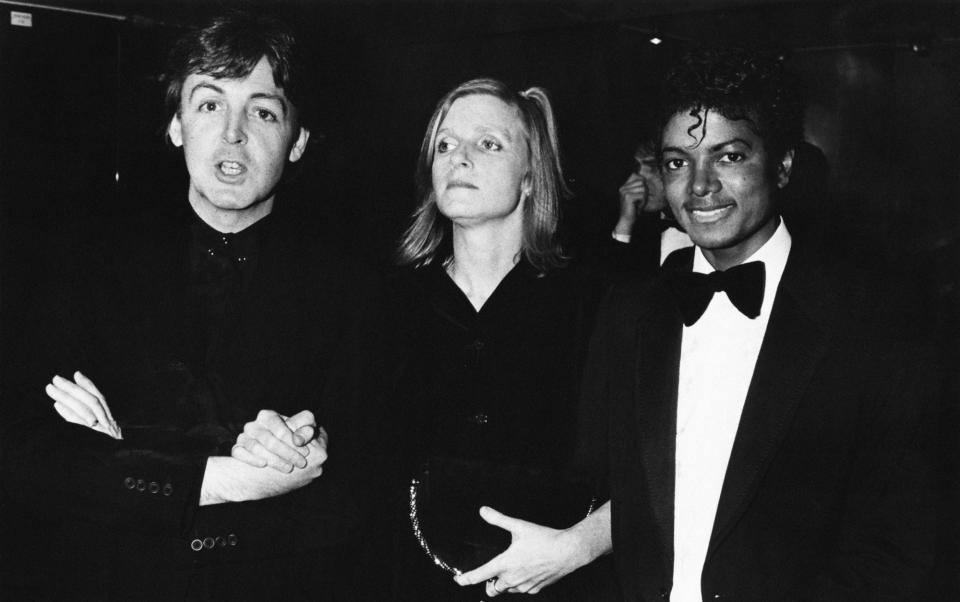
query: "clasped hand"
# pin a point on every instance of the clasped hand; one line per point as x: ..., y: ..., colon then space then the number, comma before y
x: 280, y: 442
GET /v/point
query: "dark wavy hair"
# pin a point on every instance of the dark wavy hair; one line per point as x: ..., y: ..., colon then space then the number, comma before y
x: 428, y: 236
x: 229, y: 46
x: 739, y: 84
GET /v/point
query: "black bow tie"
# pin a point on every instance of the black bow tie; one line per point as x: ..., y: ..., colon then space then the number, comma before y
x: 742, y: 283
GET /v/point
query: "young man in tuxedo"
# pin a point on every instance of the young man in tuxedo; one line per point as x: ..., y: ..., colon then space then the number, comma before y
x: 194, y: 356
x: 761, y: 405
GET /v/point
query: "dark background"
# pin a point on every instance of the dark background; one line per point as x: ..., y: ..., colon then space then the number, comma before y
x: 82, y: 121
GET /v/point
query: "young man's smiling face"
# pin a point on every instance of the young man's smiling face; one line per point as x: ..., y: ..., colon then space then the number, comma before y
x: 237, y: 135
x: 719, y: 184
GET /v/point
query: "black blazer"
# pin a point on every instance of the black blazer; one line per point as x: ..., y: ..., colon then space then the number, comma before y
x: 130, y: 520
x: 826, y: 496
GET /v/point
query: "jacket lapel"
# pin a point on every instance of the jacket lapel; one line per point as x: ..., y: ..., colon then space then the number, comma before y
x: 659, y: 332
x: 794, y: 342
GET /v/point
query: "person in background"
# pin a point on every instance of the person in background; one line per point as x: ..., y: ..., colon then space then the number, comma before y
x: 644, y: 213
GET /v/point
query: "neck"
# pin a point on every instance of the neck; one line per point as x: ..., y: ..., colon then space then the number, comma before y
x: 482, y: 256
x: 231, y: 220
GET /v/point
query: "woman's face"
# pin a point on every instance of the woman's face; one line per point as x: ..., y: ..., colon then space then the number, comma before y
x: 480, y: 161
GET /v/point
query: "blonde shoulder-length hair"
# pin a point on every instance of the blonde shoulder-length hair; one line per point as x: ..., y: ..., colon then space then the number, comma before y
x: 427, y: 239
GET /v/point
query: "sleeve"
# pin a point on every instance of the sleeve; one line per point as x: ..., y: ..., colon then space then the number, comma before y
x: 591, y: 456
x: 885, y: 546
x: 67, y: 469
x: 344, y: 386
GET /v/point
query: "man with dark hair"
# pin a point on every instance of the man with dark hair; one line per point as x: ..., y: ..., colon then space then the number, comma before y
x: 761, y: 406
x: 644, y: 223
x: 185, y: 460
x: 766, y: 401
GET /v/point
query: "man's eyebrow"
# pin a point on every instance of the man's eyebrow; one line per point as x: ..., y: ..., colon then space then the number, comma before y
x: 267, y: 96
x: 672, y: 149
x: 720, y: 145
x: 205, y: 85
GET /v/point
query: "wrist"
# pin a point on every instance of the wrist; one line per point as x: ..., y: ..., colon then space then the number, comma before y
x: 580, y: 551
x: 212, y: 487
x: 624, y: 226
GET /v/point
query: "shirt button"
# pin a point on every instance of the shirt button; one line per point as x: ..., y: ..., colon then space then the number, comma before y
x: 208, y: 542
x: 129, y: 482
x: 154, y: 487
x: 196, y: 545
x: 478, y: 419
x: 141, y: 485
x: 167, y: 489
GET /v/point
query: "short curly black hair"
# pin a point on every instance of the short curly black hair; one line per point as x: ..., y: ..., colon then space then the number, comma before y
x: 738, y: 83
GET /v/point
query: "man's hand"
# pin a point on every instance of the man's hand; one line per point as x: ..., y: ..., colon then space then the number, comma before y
x: 633, y: 199
x: 229, y: 480
x: 276, y: 441
x: 80, y: 402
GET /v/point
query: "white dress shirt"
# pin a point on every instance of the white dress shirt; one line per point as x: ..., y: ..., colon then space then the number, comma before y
x: 717, y: 357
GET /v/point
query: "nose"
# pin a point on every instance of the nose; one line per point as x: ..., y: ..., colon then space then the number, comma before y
x: 234, y: 130
x: 460, y: 157
x: 704, y: 180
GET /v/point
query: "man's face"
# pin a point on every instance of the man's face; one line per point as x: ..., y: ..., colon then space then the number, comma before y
x: 645, y: 166
x: 237, y: 135
x: 719, y: 185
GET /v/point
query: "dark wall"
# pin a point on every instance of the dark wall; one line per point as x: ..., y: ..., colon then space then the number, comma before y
x: 81, y: 118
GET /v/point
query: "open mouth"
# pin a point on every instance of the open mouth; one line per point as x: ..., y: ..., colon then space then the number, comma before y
x: 231, y: 168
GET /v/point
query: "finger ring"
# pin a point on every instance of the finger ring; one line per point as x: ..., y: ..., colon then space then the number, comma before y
x: 494, y: 582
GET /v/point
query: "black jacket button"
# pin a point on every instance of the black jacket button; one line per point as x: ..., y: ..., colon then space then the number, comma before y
x: 167, y: 489
x: 208, y: 542
x: 221, y: 541
x: 232, y: 539
x: 141, y: 485
x: 196, y: 545
x: 129, y: 482
x: 154, y: 487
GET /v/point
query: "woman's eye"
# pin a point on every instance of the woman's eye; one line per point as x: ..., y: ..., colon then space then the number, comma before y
x: 490, y: 144
x: 208, y: 106
x: 443, y: 146
x: 673, y: 164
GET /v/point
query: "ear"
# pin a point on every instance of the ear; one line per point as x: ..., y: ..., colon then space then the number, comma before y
x: 296, y: 151
x: 526, y: 186
x: 175, y: 131
x: 784, y: 168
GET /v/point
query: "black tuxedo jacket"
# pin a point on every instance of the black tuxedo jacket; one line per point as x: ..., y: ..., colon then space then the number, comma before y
x: 122, y: 516
x: 827, y: 491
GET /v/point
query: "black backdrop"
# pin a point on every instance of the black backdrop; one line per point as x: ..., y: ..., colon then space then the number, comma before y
x: 81, y: 117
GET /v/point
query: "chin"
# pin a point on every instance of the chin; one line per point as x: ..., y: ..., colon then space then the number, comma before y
x: 231, y: 201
